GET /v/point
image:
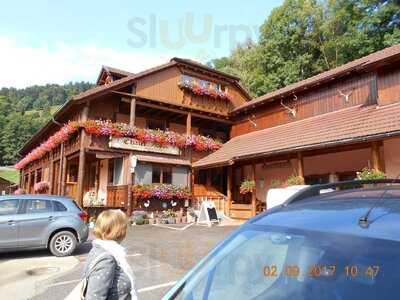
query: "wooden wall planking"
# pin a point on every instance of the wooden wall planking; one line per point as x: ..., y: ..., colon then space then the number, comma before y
x: 389, y: 84
x: 320, y: 100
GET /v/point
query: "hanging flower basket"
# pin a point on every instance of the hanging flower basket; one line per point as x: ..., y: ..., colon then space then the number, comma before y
x: 107, y: 128
x: 247, y: 186
x: 196, y: 89
x: 41, y: 187
x: 160, y: 191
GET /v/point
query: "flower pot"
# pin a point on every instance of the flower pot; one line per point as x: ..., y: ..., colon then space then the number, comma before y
x: 184, y: 219
x: 171, y: 220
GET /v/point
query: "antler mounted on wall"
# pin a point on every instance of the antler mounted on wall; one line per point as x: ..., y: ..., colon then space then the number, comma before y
x: 345, y: 96
x: 252, y: 122
x: 291, y: 110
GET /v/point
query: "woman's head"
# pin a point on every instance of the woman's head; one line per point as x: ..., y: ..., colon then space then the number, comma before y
x: 111, y: 225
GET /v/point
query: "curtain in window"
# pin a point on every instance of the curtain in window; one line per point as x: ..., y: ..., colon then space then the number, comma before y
x: 118, y: 171
x: 143, y: 174
x: 180, y: 176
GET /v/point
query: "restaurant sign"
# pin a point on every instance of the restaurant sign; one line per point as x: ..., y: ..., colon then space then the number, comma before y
x: 133, y: 144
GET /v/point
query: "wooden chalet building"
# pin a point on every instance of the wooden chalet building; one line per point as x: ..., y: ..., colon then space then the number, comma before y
x: 133, y: 129
x: 324, y: 129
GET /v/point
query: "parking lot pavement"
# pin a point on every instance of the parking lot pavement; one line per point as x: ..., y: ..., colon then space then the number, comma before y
x: 159, y: 257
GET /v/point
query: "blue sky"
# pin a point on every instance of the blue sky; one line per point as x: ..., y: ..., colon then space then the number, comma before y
x: 60, y: 41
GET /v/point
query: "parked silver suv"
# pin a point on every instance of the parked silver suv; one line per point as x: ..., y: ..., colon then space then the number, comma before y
x: 41, y: 221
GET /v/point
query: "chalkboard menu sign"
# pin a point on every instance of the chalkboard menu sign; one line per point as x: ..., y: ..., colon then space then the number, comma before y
x: 212, y: 213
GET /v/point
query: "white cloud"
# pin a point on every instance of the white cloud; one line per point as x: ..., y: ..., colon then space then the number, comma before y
x: 22, y: 65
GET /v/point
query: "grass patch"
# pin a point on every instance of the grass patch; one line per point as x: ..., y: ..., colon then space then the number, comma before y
x: 10, y: 174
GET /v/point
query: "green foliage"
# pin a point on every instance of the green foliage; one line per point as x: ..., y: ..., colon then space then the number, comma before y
x: 369, y: 174
x: 304, y: 37
x: 247, y: 186
x: 275, y: 183
x: 24, y: 111
x: 295, y: 180
x: 10, y: 174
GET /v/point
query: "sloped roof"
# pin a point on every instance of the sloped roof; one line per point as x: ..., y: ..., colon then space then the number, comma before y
x: 350, y: 125
x: 118, y: 84
x: 361, y: 63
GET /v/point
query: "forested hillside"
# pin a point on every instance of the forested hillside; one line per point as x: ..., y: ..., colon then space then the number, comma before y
x: 24, y: 111
x: 304, y: 37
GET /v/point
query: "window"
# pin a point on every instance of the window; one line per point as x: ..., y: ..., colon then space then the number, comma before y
x: 110, y: 172
x: 9, y: 207
x: 38, y: 206
x: 167, y: 175
x: 180, y: 176
x: 204, y: 84
x: 58, y: 206
x: 39, y: 175
x: 72, y: 173
x: 153, y: 174
x: 143, y: 174
x: 156, y: 124
x: 186, y: 79
x: 156, y: 175
x: 118, y: 162
x: 115, y: 171
x: 276, y: 263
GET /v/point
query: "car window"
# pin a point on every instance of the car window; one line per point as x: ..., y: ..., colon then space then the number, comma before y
x: 9, y: 207
x: 35, y: 206
x: 278, y: 263
x: 58, y: 206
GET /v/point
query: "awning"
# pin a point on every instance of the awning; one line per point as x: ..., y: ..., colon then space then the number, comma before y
x: 160, y: 159
x: 347, y: 126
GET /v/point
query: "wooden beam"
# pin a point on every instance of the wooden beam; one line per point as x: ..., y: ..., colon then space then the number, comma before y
x: 229, y: 184
x: 189, y: 124
x: 132, y: 115
x: 376, y: 156
x: 253, y: 194
x: 51, y: 171
x: 28, y: 188
x: 63, y: 171
x: 82, y: 157
x: 300, y: 165
x: 181, y: 109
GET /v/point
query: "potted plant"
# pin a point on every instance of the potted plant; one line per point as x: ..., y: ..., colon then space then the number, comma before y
x: 191, y: 215
x: 369, y: 174
x: 247, y: 186
x: 295, y: 180
x: 275, y: 183
x: 41, y: 187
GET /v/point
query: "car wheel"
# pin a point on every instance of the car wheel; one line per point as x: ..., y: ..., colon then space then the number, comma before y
x: 63, y: 243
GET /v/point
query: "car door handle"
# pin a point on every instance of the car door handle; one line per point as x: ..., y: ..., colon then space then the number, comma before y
x: 11, y: 222
x: 51, y: 218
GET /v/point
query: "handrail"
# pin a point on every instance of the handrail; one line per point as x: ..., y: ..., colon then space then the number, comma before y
x: 315, y: 190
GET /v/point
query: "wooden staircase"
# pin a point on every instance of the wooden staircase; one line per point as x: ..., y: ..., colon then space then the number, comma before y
x: 240, y: 211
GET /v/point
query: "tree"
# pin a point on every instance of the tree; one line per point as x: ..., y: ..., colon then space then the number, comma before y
x: 304, y: 37
x: 24, y: 111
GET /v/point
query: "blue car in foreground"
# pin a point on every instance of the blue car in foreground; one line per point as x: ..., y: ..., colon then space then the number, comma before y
x: 342, y: 244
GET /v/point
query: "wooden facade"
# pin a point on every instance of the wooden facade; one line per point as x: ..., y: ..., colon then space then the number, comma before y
x: 156, y: 99
x: 358, y: 85
x: 86, y: 163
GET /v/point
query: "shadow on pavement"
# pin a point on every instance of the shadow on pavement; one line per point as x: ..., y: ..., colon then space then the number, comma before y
x: 82, y: 249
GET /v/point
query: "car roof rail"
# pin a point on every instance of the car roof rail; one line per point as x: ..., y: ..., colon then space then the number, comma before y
x: 315, y: 190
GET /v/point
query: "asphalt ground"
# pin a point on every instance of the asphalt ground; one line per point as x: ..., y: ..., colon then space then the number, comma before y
x: 159, y: 257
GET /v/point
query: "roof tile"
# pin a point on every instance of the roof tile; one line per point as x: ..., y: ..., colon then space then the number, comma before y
x: 340, y: 127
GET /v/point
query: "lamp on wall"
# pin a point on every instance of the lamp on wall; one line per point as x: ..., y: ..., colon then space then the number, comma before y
x: 133, y: 162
